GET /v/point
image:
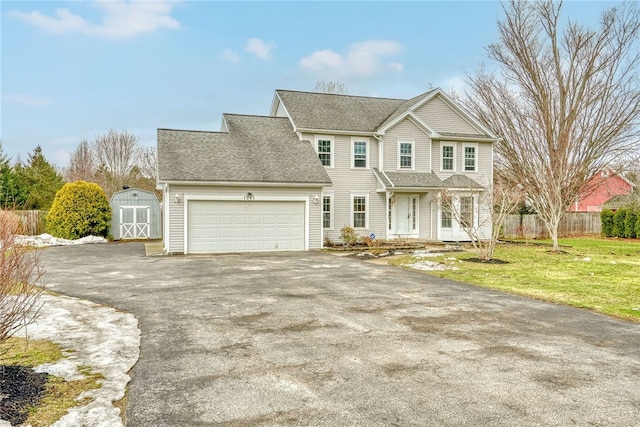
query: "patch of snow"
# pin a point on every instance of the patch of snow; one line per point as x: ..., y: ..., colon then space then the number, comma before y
x: 586, y: 259
x: 426, y: 254
x: 100, y: 338
x: 44, y: 240
x: 431, y: 266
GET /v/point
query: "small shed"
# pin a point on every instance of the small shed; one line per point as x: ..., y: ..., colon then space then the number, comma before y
x: 135, y: 214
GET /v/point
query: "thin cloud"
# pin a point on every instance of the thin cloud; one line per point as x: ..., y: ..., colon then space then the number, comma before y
x: 230, y: 56
x: 28, y: 100
x: 120, y: 19
x: 260, y: 48
x: 361, y: 59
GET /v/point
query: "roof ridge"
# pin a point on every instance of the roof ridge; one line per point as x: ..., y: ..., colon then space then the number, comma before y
x: 254, y: 115
x: 191, y: 130
x: 341, y: 94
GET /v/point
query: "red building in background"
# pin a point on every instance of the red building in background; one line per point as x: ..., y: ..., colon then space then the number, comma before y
x: 601, y: 188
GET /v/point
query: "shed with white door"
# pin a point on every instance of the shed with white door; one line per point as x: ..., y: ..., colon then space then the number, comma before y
x: 135, y: 214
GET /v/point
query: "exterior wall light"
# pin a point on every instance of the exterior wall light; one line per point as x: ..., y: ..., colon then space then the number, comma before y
x: 176, y: 198
x: 316, y: 199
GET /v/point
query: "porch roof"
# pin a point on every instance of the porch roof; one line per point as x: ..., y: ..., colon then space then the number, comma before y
x: 423, y: 181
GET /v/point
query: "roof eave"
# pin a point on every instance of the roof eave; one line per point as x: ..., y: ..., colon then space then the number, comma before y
x: 246, y: 183
x: 336, y: 132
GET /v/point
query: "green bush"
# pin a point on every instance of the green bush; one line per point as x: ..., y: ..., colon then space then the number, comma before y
x: 606, y: 217
x: 618, y: 222
x: 630, y: 224
x: 79, y: 209
x: 638, y: 227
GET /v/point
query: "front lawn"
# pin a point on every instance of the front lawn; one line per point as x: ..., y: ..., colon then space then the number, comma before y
x: 599, y: 274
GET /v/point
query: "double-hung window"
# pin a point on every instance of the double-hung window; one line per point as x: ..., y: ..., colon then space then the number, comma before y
x: 359, y: 211
x: 466, y: 211
x: 327, y: 209
x: 324, y: 146
x: 447, y: 213
x: 359, y: 150
x: 405, y: 155
x: 470, y: 157
x: 448, y: 157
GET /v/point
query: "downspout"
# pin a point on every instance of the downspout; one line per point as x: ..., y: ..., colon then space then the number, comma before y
x: 378, y: 136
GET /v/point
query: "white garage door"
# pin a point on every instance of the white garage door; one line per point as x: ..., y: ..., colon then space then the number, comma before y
x: 244, y: 226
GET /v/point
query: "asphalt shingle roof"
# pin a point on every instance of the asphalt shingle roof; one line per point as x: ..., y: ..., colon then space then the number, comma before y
x: 401, y: 179
x: 312, y: 110
x: 256, y: 149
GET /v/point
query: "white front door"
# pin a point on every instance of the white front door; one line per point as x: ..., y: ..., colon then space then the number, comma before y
x: 404, y: 215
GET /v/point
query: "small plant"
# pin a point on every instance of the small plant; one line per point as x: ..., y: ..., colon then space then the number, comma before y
x: 370, y: 242
x: 80, y: 209
x: 327, y: 241
x: 348, y: 235
x: 606, y: 217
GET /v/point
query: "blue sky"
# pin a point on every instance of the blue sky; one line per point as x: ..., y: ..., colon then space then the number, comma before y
x: 72, y: 70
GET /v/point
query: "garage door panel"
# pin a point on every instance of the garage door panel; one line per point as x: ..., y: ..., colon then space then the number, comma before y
x: 237, y: 226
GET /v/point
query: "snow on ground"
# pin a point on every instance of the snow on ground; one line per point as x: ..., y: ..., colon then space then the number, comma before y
x: 425, y: 265
x: 100, y: 338
x: 44, y: 240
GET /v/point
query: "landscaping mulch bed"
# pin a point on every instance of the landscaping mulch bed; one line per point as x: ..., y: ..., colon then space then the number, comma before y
x: 20, y: 388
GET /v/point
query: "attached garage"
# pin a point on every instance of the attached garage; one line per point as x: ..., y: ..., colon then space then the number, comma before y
x: 245, y: 226
x: 252, y: 187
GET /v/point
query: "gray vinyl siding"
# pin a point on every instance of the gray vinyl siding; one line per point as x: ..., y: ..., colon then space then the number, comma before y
x: 348, y: 181
x: 176, y: 210
x: 442, y: 118
x: 405, y: 131
x: 484, y: 174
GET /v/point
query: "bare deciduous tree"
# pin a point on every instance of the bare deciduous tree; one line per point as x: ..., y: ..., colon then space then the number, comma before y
x: 331, y: 87
x: 20, y: 274
x: 502, y: 200
x: 566, y: 103
x: 148, y: 162
x: 81, y: 166
x: 116, y: 155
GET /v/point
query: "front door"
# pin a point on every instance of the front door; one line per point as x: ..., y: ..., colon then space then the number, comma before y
x: 404, y: 212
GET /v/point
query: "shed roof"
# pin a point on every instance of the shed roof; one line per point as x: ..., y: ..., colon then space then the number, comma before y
x: 255, y: 149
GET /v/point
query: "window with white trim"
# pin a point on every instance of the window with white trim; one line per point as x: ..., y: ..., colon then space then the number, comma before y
x: 324, y: 147
x: 359, y: 211
x: 327, y: 212
x: 405, y: 155
x: 447, y: 213
x: 470, y: 157
x: 448, y: 152
x: 466, y: 211
x: 359, y: 153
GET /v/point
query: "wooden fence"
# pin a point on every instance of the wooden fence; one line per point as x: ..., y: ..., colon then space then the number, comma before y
x: 32, y: 222
x: 531, y: 227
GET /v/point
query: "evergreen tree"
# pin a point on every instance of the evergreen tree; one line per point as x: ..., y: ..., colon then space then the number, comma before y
x: 39, y: 180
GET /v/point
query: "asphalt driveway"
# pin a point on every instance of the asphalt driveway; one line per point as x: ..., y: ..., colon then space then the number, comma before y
x: 314, y: 339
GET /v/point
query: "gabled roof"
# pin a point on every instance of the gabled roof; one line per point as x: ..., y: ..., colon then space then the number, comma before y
x: 255, y: 149
x: 313, y: 111
x: 322, y: 111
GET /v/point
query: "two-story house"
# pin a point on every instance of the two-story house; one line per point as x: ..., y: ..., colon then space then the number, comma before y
x: 389, y: 168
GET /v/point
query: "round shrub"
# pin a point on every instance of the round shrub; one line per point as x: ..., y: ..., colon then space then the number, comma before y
x: 630, y: 224
x: 79, y: 209
x: 606, y: 217
x: 618, y: 222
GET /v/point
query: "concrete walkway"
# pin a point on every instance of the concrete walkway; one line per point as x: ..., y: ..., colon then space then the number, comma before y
x: 314, y: 339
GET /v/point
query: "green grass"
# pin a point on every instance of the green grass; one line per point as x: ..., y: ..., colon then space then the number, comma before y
x: 599, y: 274
x: 60, y: 395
